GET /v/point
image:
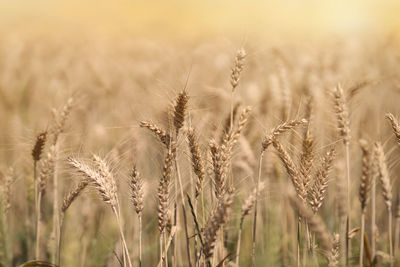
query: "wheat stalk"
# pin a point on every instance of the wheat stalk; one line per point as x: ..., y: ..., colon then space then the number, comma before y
x: 46, y: 170
x: 365, y: 187
x: 267, y: 141
x: 214, y: 223
x: 137, y: 196
x: 343, y: 126
x: 247, y: 206
x: 315, y: 222
x: 383, y: 174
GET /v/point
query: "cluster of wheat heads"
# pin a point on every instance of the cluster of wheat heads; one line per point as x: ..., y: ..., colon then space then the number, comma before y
x: 295, y: 176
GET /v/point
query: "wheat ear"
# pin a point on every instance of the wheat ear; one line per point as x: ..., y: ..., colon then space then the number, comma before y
x: 395, y: 126
x: 103, y: 180
x: 197, y: 161
x: 137, y: 196
x: 161, y: 134
x: 180, y: 109
x: 163, y: 192
x: 365, y: 186
x: 292, y: 170
x: 383, y: 174
x: 318, y: 189
x: 47, y: 169
x: 333, y: 256
x: 343, y: 126
x: 280, y: 129
x: 267, y: 141
x: 235, y: 78
x: 36, y: 155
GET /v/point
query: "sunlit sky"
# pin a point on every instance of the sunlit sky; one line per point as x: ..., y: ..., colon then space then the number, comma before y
x: 194, y: 18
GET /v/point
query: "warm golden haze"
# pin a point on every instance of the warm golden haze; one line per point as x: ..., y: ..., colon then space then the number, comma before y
x: 188, y: 133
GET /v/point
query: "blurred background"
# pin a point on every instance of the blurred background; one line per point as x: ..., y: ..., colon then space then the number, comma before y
x: 188, y: 19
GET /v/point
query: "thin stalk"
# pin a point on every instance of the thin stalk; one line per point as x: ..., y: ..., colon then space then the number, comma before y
x: 196, y: 254
x: 343, y: 240
x: 117, y: 215
x: 348, y: 203
x: 202, y: 208
x: 174, y: 243
x: 231, y: 120
x: 396, y: 237
x: 309, y: 238
x: 56, y: 214
x: 238, y: 242
x: 166, y: 248
x: 253, y: 251
x: 187, y: 234
x: 220, y: 245
x: 373, y: 216
x: 390, y: 237
x: 37, y: 210
x: 184, y: 211
x: 362, y: 237
x: 164, y: 252
x: 37, y: 251
x: 59, y: 239
x: 161, y: 246
x: 298, y: 242
x: 140, y: 240
x: 36, y: 190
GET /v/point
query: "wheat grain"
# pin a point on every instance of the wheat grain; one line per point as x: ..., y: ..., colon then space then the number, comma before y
x: 280, y: 129
x: 197, y: 161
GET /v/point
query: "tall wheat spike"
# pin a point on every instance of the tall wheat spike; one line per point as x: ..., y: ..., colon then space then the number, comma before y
x: 235, y: 78
x: 197, y: 160
x: 161, y: 134
x: 137, y: 196
x: 180, y: 109
x: 383, y: 174
x: 343, y: 126
x: 320, y: 184
x: 163, y: 192
x: 102, y: 179
x: 395, y: 126
x: 46, y: 171
x: 280, y: 129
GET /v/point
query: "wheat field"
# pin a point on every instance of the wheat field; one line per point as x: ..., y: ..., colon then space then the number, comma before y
x: 199, y: 134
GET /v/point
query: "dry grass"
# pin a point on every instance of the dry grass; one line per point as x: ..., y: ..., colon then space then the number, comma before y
x: 209, y: 153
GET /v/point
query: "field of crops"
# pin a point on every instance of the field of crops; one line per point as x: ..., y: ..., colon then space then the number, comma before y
x: 176, y: 134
